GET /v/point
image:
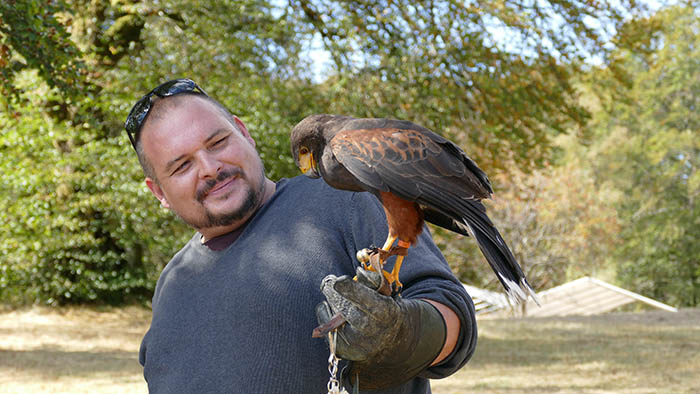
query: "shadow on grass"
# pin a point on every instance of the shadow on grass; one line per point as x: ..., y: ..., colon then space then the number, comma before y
x: 52, y: 361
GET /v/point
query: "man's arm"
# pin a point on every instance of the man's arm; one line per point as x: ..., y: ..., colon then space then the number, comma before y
x: 452, y: 325
x: 447, y: 329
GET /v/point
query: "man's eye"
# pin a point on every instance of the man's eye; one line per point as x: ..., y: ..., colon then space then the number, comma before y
x: 182, y: 167
x: 219, y: 142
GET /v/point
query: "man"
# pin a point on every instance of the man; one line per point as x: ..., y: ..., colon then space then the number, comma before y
x: 234, y: 309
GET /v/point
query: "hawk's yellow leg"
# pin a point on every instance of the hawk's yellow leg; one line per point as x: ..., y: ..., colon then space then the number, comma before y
x: 387, y: 245
x: 393, y: 277
x: 365, y: 260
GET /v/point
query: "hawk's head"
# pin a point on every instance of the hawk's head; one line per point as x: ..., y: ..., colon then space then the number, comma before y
x: 309, y: 138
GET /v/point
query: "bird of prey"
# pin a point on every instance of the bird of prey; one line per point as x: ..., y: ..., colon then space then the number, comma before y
x: 416, y: 174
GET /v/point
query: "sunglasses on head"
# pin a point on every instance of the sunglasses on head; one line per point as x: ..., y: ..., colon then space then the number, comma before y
x: 139, y: 112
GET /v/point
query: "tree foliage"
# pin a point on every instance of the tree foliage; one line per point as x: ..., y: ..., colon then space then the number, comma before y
x: 559, y: 224
x: 78, y: 224
x: 648, y: 148
x: 68, y: 233
x: 493, y: 75
x: 33, y: 38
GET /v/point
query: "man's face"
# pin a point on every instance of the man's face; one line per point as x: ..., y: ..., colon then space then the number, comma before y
x: 208, y: 171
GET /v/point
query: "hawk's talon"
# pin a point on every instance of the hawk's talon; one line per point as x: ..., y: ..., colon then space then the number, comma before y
x: 394, y: 282
x: 393, y: 277
x: 387, y: 276
x: 373, y: 259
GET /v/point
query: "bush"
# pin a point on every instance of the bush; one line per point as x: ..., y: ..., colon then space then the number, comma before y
x: 78, y: 224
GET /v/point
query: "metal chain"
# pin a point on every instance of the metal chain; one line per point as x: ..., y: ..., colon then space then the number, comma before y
x: 333, y: 383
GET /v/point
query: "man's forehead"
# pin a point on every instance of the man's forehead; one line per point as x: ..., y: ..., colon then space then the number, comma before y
x: 184, y: 106
x: 161, y: 107
x: 182, y: 116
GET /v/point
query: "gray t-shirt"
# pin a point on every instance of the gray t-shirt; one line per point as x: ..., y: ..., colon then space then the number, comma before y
x: 239, y: 320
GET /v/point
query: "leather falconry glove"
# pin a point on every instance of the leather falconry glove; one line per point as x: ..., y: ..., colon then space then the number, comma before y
x: 389, y: 340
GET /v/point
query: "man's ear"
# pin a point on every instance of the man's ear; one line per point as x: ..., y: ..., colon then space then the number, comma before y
x: 243, y: 129
x: 157, y: 191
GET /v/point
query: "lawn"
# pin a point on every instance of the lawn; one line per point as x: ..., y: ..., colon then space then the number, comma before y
x: 95, y: 351
x: 652, y: 352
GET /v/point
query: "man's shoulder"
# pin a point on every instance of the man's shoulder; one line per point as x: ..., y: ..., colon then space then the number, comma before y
x: 303, y: 188
x: 303, y: 182
x: 314, y: 198
x: 179, y: 259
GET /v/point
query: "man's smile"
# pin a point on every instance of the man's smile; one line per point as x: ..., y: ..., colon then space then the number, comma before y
x: 219, y: 186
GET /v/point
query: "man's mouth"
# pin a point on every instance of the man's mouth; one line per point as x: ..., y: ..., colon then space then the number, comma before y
x: 218, y: 186
x: 221, y: 186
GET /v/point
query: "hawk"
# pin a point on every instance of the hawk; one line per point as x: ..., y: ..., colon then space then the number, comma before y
x: 417, y: 176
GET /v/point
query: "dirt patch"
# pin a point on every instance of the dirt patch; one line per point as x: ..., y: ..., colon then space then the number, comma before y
x: 72, y: 350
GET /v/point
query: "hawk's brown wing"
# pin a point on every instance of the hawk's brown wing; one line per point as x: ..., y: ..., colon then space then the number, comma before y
x: 409, y: 163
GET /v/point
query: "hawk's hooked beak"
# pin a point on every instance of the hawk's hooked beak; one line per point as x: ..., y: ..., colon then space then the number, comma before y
x: 307, y: 164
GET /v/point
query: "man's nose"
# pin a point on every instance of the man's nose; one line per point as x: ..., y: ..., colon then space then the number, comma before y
x: 209, y: 166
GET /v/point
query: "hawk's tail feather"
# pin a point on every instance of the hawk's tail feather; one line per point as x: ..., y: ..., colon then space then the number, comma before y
x: 518, y: 292
x: 498, y: 255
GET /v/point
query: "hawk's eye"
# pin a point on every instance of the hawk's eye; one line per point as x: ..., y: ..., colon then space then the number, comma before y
x: 303, y: 150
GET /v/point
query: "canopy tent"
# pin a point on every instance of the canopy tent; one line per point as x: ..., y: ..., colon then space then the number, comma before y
x: 583, y: 296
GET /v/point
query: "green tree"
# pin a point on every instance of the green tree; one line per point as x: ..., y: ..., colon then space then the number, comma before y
x: 33, y: 38
x: 493, y: 75
x: 65, y: 237
x: 650, y: 150
x: 559, y: 224
x: 78, y: 224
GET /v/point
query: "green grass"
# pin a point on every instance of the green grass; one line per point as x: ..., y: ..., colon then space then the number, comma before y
x: 95, y: 351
